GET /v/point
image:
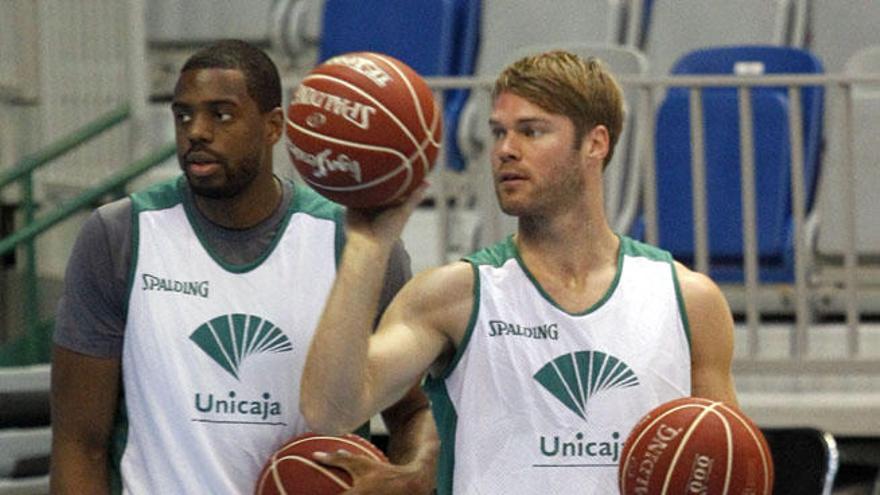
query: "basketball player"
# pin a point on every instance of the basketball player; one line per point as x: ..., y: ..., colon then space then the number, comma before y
x: 188, y: 309
x: 546, y: 348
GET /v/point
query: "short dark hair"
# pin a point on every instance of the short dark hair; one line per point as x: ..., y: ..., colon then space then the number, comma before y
x: 261, y: 75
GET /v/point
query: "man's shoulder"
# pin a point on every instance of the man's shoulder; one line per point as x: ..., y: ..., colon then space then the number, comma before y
x: 699, y: 291
x: 443, y: 297
x: 119, y: 208
x: 306, y: 200
x: 495, y: 255
x: 442, y: 284
x: 635, y: 248
x: 112, y: 220
x: 159, y: 196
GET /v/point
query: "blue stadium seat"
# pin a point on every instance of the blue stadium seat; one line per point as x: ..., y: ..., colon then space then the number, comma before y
x: 434, y: 37
x: 671, y: 28
x: 772, y: 150
x: 466, y: 46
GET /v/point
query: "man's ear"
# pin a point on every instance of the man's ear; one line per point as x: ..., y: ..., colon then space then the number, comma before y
x: 597, y: 143
x: 274, y: 125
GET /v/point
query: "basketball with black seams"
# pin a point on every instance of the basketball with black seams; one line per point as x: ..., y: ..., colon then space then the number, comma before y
x: 291, y: 470
x: 695, y: 446
x: 363, y: 129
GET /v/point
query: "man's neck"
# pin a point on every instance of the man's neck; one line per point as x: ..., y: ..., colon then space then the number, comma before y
x: 574, y: 264
x: 572, y: 246
x: 245, y: 210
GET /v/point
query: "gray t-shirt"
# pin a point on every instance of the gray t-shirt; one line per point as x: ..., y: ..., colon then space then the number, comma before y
x: 93, y: 308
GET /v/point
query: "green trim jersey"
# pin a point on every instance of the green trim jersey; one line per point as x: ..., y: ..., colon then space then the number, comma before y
x: 213, y: 352
x: 540, y: 400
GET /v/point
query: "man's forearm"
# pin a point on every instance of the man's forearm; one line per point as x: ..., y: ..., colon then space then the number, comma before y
x: 414, y: 442
x: 333, y: 396
x: 76, y: 472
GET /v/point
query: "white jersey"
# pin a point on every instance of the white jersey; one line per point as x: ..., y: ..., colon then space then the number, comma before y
x: 213, y: 353
x: 538, y: 400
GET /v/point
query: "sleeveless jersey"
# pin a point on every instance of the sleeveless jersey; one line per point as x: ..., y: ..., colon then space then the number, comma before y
x: 213, y: 353
x: 540, y: 400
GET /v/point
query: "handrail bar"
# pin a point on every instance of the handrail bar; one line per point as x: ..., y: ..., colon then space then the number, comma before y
x: 87, y: 198
x: 65, y: 144
x: 690, y: 81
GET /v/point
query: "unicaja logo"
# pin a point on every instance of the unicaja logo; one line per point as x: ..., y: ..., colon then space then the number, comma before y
x: 230, y: 339
x: 576, y: 377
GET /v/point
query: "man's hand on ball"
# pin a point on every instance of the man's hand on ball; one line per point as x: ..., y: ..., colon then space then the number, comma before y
x: 383, y: 225
x: 372, y: 477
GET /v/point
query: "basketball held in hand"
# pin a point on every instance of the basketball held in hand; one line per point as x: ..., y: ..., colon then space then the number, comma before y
x: 693, y: 445
x: 291, y: 470
x: 363, y: 129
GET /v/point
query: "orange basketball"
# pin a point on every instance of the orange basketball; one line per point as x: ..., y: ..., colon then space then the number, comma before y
x: 292, y: 471
x: 363, y: 129
x: 699, y: 446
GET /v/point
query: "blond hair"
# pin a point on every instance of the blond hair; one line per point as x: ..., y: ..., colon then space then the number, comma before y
x: 563, y: 83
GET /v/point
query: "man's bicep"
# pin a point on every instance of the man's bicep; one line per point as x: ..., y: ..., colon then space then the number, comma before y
x: 84, y: 392
x: 84, y: 396
x: 713, y: 381
x: 711, y: 325
x: 399, y: 355
x: 421, y: 327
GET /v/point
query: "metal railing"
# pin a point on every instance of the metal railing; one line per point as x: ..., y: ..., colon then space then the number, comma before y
x: 752, y: 290
x: 650, y: 91
x: 23, y: 173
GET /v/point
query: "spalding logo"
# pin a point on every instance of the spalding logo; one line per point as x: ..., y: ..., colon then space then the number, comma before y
x: 645, y: 467
x: 355, y: 112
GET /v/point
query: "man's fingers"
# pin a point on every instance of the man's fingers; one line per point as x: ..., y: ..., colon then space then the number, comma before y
x: 417, y: 195
x: 354, y: 464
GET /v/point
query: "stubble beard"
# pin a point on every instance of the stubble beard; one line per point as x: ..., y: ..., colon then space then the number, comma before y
x: 237, y: 179
x: 543, y: 199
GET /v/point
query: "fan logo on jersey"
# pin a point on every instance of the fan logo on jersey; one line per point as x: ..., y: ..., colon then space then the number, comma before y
x: 229, y: 340
x: 574, y: 379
